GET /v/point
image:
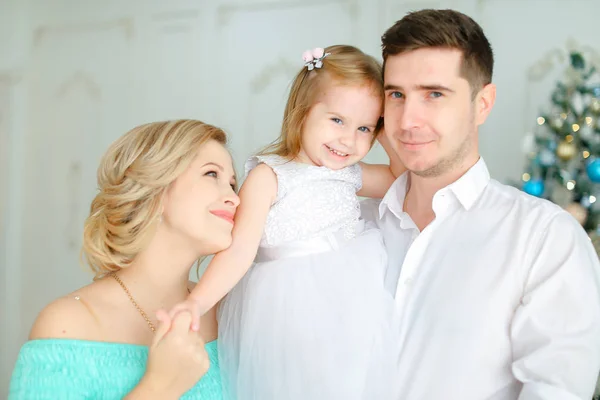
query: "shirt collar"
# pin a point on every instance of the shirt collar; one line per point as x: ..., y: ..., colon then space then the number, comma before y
x: 467, y: 189
x: 394, y: 198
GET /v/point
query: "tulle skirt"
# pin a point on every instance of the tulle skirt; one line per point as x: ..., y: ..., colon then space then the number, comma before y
x: 311, y: 321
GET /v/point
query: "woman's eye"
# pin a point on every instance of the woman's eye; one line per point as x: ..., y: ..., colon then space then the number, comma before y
x: 214, y: 174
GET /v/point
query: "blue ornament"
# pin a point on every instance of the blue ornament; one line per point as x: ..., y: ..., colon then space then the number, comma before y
x: 534, y: 187
x: 593, y: 170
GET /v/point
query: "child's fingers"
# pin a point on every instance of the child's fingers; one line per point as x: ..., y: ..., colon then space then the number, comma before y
x: 177, y: 309
x: 195, y: 319
x: 164, y: 324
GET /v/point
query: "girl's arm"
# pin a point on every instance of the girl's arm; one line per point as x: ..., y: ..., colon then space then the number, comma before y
x: 377, y: 178
x: 228, y: 267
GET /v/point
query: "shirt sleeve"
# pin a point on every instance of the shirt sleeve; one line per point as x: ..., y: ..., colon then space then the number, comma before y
x: 555, y: 330
x: 369, y: 210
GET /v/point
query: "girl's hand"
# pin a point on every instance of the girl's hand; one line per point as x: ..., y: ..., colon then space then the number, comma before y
x: 191, y: 306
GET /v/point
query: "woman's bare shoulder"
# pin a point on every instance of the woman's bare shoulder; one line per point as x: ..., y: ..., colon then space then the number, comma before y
x: 68, y: 317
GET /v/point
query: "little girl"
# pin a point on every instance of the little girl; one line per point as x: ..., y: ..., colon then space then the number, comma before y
x: 311, y: 319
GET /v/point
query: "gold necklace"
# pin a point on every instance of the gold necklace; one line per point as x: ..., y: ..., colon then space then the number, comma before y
x: 135, y: 304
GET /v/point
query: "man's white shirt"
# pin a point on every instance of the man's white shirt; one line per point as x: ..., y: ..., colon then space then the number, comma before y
x: 498, y: 298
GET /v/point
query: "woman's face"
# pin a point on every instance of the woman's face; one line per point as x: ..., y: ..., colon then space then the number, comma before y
x: 200, y: 204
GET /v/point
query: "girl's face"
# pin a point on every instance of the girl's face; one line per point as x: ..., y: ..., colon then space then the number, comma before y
x: 339, y: 128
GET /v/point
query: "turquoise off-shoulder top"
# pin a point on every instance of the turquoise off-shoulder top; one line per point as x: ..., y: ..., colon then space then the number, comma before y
x: 78, y: 369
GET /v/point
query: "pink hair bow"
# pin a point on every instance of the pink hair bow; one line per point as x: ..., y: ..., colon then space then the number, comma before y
x: 314, y: 58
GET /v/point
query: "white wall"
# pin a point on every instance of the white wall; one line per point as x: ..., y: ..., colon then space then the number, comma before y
x: 79, y: 73
x: 12, y: 48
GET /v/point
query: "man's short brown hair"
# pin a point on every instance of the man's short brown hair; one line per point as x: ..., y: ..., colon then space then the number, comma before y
x: 444, y: 29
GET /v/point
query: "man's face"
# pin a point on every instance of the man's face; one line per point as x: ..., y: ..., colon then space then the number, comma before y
x: 430, y: 116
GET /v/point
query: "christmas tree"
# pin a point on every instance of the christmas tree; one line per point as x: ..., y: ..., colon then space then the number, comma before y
x: 563, y: 153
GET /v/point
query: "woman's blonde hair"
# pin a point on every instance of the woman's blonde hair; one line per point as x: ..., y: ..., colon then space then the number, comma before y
x: 133, y: 175
x: 345, y: 66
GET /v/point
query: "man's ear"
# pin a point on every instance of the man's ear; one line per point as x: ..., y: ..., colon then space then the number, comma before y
x: 484, y: 102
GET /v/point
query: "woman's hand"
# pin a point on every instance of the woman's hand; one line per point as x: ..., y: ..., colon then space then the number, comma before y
x: 176, y: 361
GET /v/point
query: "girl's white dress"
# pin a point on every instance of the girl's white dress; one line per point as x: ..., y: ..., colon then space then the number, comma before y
x: 311, y: 319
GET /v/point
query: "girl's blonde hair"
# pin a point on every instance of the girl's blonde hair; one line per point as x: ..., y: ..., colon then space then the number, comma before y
x: 345, y: 66
x: 133, y: 175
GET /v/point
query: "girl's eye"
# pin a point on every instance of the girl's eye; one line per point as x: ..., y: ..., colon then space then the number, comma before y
x: 364, y: 129
x: 336, y: 120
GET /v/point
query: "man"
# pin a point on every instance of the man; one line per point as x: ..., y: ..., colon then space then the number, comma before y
x: 497, y: 291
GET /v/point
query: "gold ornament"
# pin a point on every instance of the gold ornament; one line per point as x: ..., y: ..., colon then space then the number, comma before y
x: 565, y: 150
x: 578, y: 212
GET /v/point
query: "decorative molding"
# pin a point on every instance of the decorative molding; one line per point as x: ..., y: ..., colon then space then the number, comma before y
x: 176, y: 21
x: 125, y: 24
x: 82, y: 79
x: 4, y: 148
x: 11, y: 77
x: 73, y: 226
x: 266, y: 75
x: 11, y: 146
x: 80, y: 91
x: 6, y: 81
x: 225, y: 12
x: 6, y: 290
x: 176, y: 15
x: 176, y: 29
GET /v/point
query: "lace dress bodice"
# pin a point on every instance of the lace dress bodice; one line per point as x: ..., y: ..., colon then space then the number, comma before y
x: 311, y: 201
